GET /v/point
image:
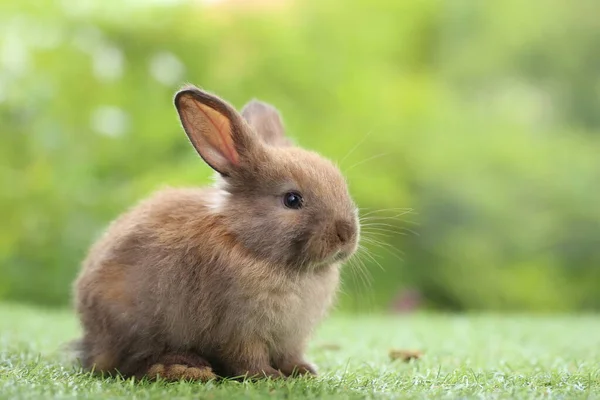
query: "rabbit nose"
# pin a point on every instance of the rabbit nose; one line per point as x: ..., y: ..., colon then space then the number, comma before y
x: 345, y: 230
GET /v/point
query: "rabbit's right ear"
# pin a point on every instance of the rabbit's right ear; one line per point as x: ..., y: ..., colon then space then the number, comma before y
x: 218, y: 133
x: 266, y: 122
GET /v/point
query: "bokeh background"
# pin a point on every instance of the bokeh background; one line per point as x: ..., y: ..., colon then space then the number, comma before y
x: 481, y: 117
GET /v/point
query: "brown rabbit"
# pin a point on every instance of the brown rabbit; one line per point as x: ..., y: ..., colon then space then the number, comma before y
x: 228, y: 280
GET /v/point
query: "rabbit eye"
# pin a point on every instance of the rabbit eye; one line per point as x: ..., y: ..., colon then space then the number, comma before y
x: 292, y: 200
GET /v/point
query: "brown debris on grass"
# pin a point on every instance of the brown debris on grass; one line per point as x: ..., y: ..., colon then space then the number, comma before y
x: 405, y: 355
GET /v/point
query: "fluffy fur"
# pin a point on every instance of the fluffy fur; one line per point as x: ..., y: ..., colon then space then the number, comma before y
x: 195, y: 283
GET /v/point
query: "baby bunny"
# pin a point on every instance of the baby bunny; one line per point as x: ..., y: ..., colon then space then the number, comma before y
x: 228, y: 280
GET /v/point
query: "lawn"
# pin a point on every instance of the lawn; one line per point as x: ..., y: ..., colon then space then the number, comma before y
x: 490, y: 356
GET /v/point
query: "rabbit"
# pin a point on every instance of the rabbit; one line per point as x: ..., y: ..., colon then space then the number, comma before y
x: 226, y: 281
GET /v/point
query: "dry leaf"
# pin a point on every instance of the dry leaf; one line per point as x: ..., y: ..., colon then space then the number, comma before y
x: 405, y: 355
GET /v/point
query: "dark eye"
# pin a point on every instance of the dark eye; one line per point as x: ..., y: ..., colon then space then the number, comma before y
x: 292, y: 200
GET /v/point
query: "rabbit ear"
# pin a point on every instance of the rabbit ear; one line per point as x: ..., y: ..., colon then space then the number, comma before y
x: 217, y: 132
x: 266, y: 121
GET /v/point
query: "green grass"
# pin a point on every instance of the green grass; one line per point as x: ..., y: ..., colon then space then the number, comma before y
x: 488, y: 356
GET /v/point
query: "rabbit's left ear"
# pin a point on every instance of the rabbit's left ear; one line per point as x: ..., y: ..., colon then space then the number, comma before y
x: 266, y: 122
x: 217, y: 131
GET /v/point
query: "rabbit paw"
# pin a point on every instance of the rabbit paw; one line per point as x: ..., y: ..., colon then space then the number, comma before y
x: 182, y: 367
x: 298, y: 369
x: 176, y: 372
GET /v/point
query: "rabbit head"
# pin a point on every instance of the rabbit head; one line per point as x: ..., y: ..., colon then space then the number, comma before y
x: 284, y: 204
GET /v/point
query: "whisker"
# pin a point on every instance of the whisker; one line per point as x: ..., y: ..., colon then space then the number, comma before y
x: 395, y: 222
x: 375, y: 255
x: 407, y: 210
x: 392, y: 229
x: 376, y: 241
x: 380, y: 224
x: 367, y: 278
x: 353, y: 269
x: 365, y: 160
x: 380, y: 234
x: 373, y: 229
x: 363, y: 281
x: 386, y: 247
x: 355, y: 147
x: 386, y: 209
x: 368, y: 254
x: 395, y: 217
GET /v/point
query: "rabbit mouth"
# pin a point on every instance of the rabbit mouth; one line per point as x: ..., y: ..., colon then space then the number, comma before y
x: 322, y: 256
x: 338, y: 256
x: 341, y: 254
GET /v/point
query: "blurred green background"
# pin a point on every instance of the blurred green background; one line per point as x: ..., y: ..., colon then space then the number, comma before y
x: 482, y: 117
